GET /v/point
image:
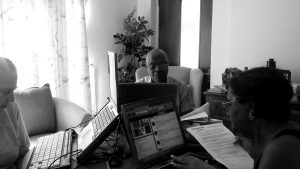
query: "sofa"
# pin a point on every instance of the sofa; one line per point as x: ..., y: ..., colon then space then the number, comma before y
x: 43, y: 114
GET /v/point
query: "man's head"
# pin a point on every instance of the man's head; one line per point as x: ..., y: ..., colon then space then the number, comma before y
x: 157, y: 65
x: 8, y: 82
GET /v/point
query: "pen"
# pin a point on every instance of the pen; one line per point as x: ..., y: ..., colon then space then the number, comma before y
x: 202, y: 157
x: 107, y: 165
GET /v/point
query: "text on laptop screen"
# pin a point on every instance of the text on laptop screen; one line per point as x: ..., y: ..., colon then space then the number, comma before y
x: 155, y: 130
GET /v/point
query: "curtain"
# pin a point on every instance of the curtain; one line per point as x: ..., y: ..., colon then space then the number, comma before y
x: 46, y: 39
x: 169, y: 29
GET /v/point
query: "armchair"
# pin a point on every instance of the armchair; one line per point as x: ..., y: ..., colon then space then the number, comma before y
x: 44, y: 114
x: 192, y: 77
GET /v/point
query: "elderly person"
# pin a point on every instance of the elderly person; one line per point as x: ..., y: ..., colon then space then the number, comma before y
x: 14, y: 140
x: 259, y: 110
x: 157, y: 66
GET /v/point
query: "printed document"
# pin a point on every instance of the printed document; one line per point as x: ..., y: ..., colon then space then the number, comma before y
x: 218, y: 141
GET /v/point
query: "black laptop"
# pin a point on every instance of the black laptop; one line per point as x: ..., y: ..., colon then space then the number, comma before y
x: 132, y: 92
x: 153, y: 131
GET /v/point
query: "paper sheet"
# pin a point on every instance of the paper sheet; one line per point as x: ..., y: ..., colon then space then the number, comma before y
x: 218, y: 141
x: 196, y: 116
x: 200, y: 112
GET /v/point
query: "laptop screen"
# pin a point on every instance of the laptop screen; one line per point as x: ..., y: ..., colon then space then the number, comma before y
x: 152, y: 128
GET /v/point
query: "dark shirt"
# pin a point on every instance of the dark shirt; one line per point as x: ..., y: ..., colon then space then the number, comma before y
x: 293, y: 132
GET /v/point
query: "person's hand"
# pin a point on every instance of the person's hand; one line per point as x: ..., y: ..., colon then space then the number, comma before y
x: 189, y: 162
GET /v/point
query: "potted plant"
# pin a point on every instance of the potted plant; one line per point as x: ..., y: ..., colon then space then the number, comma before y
x: 134, y: 42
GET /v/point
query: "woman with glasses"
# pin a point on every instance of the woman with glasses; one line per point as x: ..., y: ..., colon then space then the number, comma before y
x: 14, y: 140
x: 259, y: 110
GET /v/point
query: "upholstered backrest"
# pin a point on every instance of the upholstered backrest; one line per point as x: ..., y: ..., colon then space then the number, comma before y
x: 191, y: 76
x: 181, y: 73
x: 141, y: 72
x: 37, y: 109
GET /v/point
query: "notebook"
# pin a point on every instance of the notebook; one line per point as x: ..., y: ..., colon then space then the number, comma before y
x: 153, y: 131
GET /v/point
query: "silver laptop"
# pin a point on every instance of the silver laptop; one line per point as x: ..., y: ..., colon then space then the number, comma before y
x: 87, y: 140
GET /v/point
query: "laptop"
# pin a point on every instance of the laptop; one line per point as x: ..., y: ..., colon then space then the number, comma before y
x: 98, y: 129
x: 153, y: 131
x: 56, y: 150
x: 132, y: 92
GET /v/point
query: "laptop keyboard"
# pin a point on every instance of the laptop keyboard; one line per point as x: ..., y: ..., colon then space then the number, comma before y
x: 102, y: 120
x: 52, y: 150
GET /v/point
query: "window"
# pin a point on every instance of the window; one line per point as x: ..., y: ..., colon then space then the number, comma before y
x: 190, y: 33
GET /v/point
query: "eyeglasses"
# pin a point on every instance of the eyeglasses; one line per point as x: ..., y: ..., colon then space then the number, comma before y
x: 229, y: 103
x: 6, y: 92
x: 159, y: 66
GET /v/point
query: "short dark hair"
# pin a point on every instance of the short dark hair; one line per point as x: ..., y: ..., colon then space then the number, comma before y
x: 269, y: 90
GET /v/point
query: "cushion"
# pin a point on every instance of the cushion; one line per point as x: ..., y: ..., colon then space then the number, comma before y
x: 37, y: 109
x: 190, y: 95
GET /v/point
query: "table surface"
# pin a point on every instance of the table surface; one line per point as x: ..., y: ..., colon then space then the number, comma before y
x: 128, y: 162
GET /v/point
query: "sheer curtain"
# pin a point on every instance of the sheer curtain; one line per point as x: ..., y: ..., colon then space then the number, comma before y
x: 46, y: 39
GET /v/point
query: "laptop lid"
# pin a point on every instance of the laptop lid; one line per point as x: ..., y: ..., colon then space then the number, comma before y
x: 153, y: 130
x: 132, y: 92
x: 97, y: 130
x: 113, y: 75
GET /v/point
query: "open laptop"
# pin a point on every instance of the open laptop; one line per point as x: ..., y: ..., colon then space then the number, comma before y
x: 98, y: 129
x: 132, y: 92
x: 153, y: 131
x: 87, y: 140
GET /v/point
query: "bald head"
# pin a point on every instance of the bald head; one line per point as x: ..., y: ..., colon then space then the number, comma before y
x: 8, y: 74
x: 157, y: 54
x: 157, y: 65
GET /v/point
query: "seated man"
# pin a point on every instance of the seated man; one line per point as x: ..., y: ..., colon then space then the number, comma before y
x: 157, y: 66
x: 14, y: 142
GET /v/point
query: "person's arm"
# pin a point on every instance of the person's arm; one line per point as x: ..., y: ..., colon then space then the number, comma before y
x: 19, y: 163
x: 281, y: 153
x: 23, y: 139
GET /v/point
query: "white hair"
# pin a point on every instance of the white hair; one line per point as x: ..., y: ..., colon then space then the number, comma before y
x: 7, y: 69
x: 6, y: 64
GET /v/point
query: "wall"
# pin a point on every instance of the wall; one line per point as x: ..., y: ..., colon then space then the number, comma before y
x: 149, y: 9
x: 249, y: 32
x: 220, y: 40
x: 104, y: 18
